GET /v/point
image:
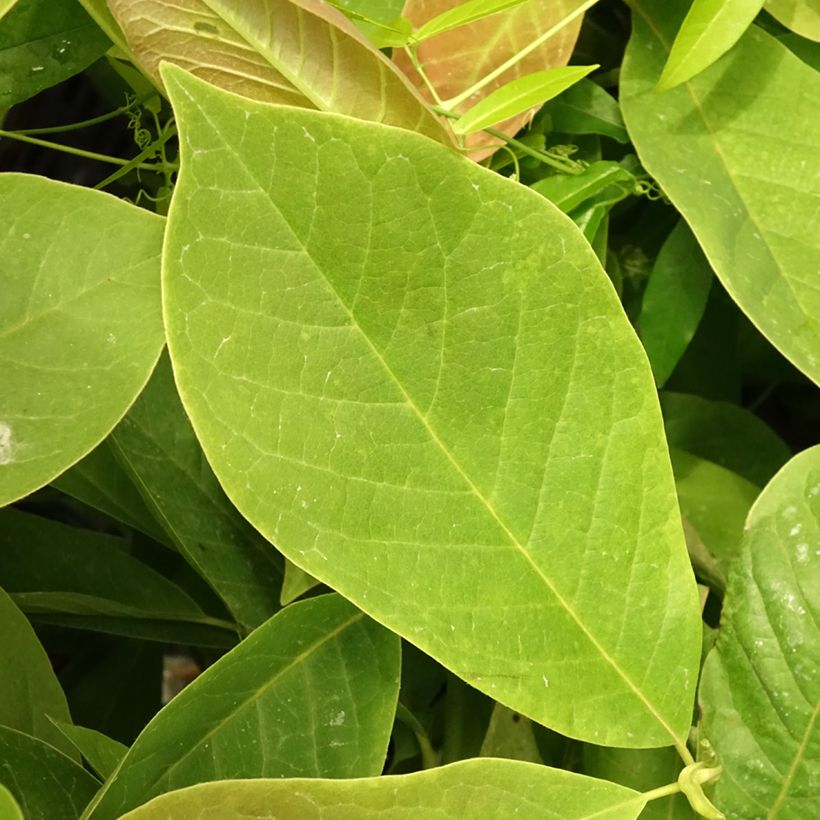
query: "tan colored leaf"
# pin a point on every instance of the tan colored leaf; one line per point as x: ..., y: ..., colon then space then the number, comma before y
x: 455, y: 60
x: 259, y: 48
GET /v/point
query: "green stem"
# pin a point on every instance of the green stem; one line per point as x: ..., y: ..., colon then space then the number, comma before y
x: 497, y: 72
x: 410, y: 51
x: 136, y: 162
x: 67, y: 149
x: 663, y: 791
x: 76, y: 126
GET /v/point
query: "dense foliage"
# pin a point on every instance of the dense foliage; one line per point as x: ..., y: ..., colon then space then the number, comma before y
x: 409, y: 411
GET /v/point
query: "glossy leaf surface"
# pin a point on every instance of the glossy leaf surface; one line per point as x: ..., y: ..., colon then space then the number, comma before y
x: 311, y: 693
x: 29, y: 690
x: 42, y: 43
x: 724, y: 433
x: 709, y: 30
x: 9, y: 807
x: 519, y: 95
x: 760, y: 692
x: 713, y: 144
x: 157, y: 445
x: 486, y: 789
x: 46, y: 784
x: 673, y: 301
x: 477, y: 409
x: 312, y: 57
x: 80, y: 323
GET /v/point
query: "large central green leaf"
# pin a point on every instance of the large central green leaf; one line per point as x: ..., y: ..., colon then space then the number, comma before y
x: 429, y: 398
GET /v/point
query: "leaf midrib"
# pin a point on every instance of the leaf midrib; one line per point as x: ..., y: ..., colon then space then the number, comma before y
x: 564, y: 603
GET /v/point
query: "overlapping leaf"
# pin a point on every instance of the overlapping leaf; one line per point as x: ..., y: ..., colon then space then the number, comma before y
x: 746, y: 181
x: 435, y: 382
x: 486, y: 789
x: 760, y: 691
x: 801, y: 16
x: 29, y: 690
x: 157, y: 444
x: 45, y: 783
x: 294, y: 52
x: 455, y: 60
x: 80, y: 323
x: 311, y: 693
x: 42, y: 43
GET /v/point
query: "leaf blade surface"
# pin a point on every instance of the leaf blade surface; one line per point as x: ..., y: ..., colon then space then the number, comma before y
x: 371, y: 453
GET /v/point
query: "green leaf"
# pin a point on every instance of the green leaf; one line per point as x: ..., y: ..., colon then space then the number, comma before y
x: 760, y: 690
x: 518, y: 96
x: 29, y: 689
x: 724, y: 433
x: 746, y: 185
x: 485, y: 789
x: 715, y: 502
x: 313, y: 57
x: 674, y: 301
x: 511, y: 736
x: 158, y: 447
x: 6, y: 6
x: 42, y: 43
x: 807, y: 50
x: 585, y: 108
x: 47, y: 784
x: 709, y: 30
x: 101, y: 752
x: 371, y: 390
x: 462, y: 15
x: 50, y: 567
x: 99, y: 481
x: 80, y: 323
x: 568, y: 192
x: 9, y: 807
x: 642, y: 770
x: 295, y: 584
x: 801, y: 16
x: 311, y: 693
x: 378, y: 20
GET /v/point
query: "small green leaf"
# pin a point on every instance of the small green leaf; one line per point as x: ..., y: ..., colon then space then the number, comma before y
x: 715, y: 501
x: 712, y: 147
x: 569, y: 191
x: 673, y: 301
x: 801, y: 16
x: 29, y: 690
x: 474, y: 789
x: 99, y: 481
x: 518, y: 96
x: 310, y: 693
x: 760, y: 692
x: 461, y: 15
x: 296, y: 583
x: 80, y: 323
x: 724, y: 433
x: 9, y: 807
x: 42, y: 43
x: 385, y: 416
x: 157, y: 445
x: 510, y: 736
x: 101, y: 752
x: 47, y: 784
x: 586, y: 108
x: 708, y: 31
